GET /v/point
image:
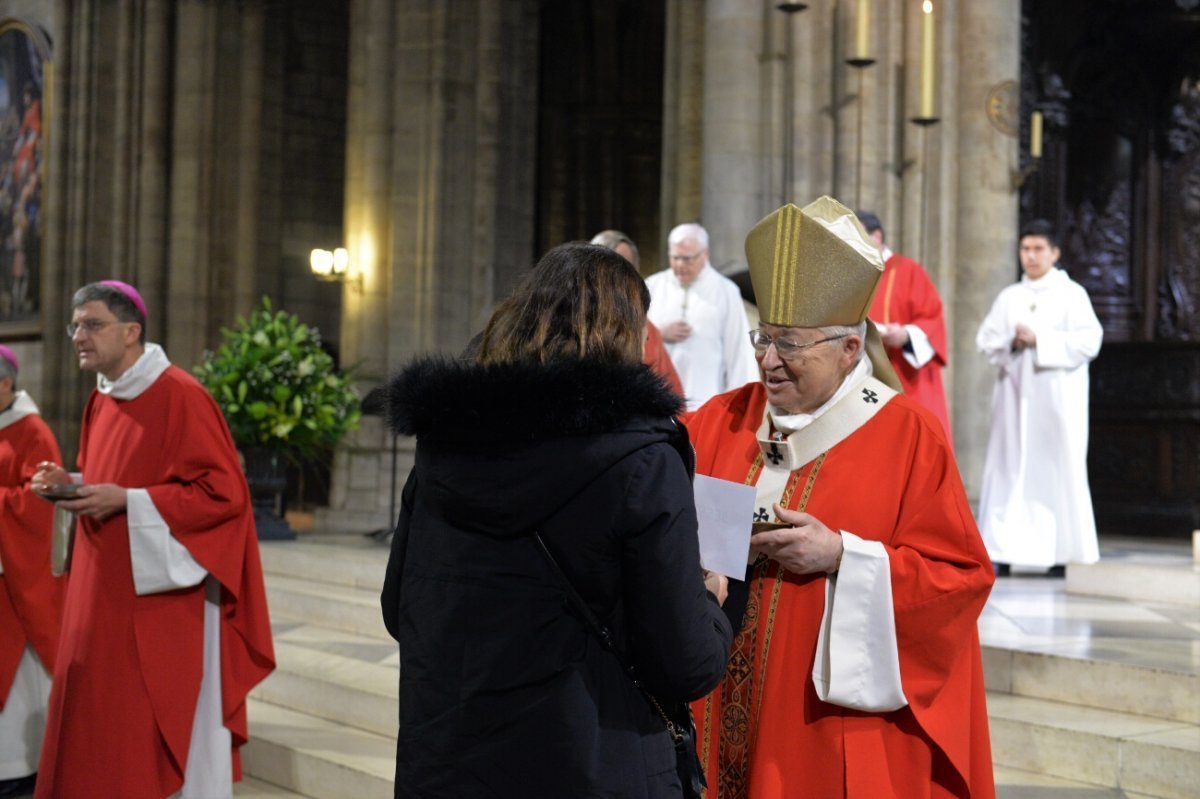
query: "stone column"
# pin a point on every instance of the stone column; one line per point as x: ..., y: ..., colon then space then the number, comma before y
x: 738, y: 64
x: 441, y: 129
x: 985, y: 215
x: 683, y: 117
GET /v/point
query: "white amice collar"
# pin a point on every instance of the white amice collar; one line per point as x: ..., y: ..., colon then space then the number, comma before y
x: 1051, y: 279
x: 137, y: 378
x: 789, y: 423
x: 21, y: 407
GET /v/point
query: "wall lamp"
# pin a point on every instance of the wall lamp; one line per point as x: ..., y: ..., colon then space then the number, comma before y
x: 334, y: 266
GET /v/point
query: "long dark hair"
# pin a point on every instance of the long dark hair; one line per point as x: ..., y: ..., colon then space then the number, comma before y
x: 580, y: 301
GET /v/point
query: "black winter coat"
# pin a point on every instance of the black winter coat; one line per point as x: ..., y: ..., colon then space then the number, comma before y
x: 504, y: 692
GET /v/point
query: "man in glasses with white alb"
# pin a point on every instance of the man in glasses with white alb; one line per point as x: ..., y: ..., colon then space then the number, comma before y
x: 702, y: 319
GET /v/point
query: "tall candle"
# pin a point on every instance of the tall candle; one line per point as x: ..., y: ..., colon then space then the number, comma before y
x: 862, y: 30
x: 1035, y: 135
x: 926, y: 109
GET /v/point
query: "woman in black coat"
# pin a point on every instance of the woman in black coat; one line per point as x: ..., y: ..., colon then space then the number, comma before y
x: 554, y: 426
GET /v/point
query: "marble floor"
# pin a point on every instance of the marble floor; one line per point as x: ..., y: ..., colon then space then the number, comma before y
x: 1118, y: 636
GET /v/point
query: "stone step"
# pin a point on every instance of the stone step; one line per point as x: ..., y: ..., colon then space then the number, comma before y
x: 1136, y: 754
x: 351, y: 561
x: 336, y: 606
x: 1105, y: 684
x: 318, y: 758
x: 312, y: 678
x: 1151, y: 579
x: 1013, y: 783
x: 250, y: 788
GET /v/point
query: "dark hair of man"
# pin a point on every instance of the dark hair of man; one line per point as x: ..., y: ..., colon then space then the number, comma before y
x: 869, y: 221
x: 8, y: 370
x: 117, y: 303
x: 580, y: 301
x: 1043, y: 228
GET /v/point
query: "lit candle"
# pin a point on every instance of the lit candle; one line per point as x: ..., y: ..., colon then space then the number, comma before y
x: 927, y: 61
x: 1035, y: 135
x: 862, y: 30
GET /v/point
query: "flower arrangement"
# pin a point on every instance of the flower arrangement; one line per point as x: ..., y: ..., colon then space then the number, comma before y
x: 277, y: 387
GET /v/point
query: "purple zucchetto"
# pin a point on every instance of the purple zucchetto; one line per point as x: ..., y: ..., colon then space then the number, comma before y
x: 130, y: 292
x: 11, y: 357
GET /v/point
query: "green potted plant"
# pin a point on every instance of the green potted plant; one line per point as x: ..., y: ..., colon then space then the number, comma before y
x: 282, y: 399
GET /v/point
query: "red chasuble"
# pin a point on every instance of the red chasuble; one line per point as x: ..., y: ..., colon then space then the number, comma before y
x: 764, y: 733
x: 654, y: 355
x: 906, y: 296
x: 31, y: 599
x: 129, y: 667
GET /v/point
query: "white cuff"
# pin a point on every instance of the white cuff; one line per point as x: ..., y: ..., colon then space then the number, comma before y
x: 922, y: 351
x: 160, y: 562
x: 858, y: 661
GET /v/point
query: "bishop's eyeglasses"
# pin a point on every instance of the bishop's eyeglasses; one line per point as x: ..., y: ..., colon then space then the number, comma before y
x: 90, y: 327
x: 784, y: 347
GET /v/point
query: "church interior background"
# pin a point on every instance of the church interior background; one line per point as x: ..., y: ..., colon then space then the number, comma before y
x: 200, y: 149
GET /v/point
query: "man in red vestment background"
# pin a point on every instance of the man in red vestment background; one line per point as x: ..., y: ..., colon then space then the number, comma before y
x: 857, y: 671
x: 165, y: 629
x: 654, y: 352
x: 908, y: 310
x: 30, y: 596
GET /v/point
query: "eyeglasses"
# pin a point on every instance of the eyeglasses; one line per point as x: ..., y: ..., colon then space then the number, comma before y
x: 785, y: 348
x: 90, y: 327
x: 687, y: 259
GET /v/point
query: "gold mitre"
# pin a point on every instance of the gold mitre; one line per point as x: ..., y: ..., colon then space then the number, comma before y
x: 816, y: 266
x: 813, y: 266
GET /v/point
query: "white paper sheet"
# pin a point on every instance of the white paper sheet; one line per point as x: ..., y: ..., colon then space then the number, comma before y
x: 724, y: 510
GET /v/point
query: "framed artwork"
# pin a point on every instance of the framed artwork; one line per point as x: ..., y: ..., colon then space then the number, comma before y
x: 25, y: 85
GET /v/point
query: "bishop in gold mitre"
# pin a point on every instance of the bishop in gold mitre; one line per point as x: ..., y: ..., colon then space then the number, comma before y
x: 856, y: 671
x: 814, y: 267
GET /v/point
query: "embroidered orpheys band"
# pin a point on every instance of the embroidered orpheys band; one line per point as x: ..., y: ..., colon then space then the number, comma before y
x: 741, y: 690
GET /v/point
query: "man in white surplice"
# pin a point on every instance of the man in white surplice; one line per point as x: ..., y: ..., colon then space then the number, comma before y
x: 702, y: 319
x: 1035, y: 507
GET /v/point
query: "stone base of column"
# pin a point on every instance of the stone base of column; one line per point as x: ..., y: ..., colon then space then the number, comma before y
x: 369, y: 471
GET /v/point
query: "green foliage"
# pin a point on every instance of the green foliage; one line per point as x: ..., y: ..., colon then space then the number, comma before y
x: 277, y: 387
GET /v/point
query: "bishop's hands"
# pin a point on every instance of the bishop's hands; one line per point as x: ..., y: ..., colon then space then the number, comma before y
x: 807, y: 547
x: 99, y: 501
x: 895, y: 336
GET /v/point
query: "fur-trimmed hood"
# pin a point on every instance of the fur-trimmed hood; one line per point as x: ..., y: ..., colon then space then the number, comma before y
x: 505, y: 445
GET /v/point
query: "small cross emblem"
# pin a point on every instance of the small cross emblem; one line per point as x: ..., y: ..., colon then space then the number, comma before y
x: 775, y: 456
x: 870, y: 396
x: 760, y: 515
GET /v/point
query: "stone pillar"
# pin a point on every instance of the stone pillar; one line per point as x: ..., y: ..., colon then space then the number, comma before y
x: 683, y: 117
x: 738, y: 63
x: 985, y: 216
x: 441, y: 129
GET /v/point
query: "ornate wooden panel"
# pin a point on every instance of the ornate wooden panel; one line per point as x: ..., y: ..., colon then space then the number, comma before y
x: 1118, y: 82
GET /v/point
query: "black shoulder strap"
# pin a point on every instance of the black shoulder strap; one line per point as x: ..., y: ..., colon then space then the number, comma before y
x: 602, y: 633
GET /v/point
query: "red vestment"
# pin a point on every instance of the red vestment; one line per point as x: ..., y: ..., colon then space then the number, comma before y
x: 892, y: 480
x: 907, y: 296
x: 129, y: 667
x: 31, y: 598
x: 654, y: 355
